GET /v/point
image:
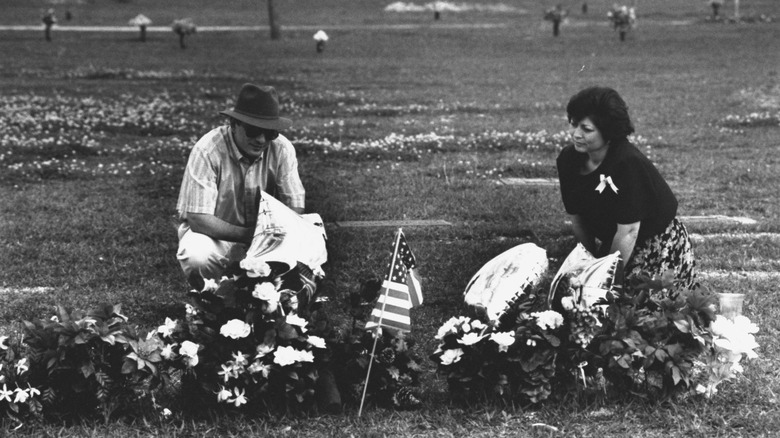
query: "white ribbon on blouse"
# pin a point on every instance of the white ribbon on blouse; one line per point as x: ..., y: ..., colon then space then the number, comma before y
x: 604, y: 180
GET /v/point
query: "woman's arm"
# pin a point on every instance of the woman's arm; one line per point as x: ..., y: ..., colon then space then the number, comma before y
x: 624, y: 240
x: 216, y: 228
x: 582, y: 235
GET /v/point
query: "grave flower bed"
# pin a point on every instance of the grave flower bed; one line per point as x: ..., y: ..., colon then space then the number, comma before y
x: 592, y: 338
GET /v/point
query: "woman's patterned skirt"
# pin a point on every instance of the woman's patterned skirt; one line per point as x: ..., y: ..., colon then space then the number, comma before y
x: 667, y: 256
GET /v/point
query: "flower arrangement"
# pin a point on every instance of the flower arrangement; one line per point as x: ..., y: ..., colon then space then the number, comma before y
x: 598, y: 339
x: 244, y: 342
x: 19, y: 400
x: 726, y: 342
x: 655, y: 344
x: 623, y: 19
x: 507, y: 362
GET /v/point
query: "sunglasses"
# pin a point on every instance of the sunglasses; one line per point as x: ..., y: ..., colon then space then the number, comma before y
x: 254, y: 132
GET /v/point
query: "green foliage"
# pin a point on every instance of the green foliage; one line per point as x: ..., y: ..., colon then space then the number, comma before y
x: 395, y: 370
x: 76, y: 360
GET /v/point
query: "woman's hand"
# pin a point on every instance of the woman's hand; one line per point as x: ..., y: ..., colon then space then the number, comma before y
x: 625, y: 240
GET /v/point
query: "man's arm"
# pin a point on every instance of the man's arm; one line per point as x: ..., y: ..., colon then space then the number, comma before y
x: 216, y: 228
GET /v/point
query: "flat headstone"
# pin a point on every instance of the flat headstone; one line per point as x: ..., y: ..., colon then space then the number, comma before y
x: 735, y: 236
x: 750, y: 275
x: 529, y: 181
x: 398, y: 223
x: 718, y: 219
x: 25, y: 290
x: 715, y: 219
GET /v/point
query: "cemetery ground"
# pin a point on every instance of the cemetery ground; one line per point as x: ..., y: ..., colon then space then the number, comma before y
x: 391, y: 125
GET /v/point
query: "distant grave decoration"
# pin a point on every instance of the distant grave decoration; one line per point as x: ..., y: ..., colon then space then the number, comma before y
x: 556, y: 16
x: 588, y: 335
x: 320, y: 38
x: 445, y: 6
x: 183, y: 27
x: 141, y: 21
x: 623, y: 19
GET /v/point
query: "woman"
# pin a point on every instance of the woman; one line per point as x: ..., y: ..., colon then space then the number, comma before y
x: 616, y: 198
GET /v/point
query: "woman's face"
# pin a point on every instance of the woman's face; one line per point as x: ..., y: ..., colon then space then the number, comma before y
x: 587, y: 138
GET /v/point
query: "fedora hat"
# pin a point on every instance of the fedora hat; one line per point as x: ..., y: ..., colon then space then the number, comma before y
x: 258, y: 106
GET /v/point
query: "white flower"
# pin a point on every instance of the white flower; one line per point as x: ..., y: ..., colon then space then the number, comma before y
x: 744, y: 325
x: 316, y: 341
x: 736, y: 337
x: 240, y: 399
x: 167, y: 328
x: 305, y: 356
x: 470, y: 339
x: 21, y: 395
x: 259, y: 367
x: 33, y: 391
x: 503, y: 339
x: 240, y: 359
x: 228, y: 372
x: 549, y: 319
x: 567, y: 303
x: 190, y: 350
x: 267, y: 292
x: 167, y: 412
x: 263, y: 349
x: 3, y: 340
x: 210, y: 285
x: 294, y: 319
x: 286, y: 356
x: 236, y: 329
x: 223, y: 394
x: 189, y: 309
x: 451, y: 356
x: 451, y: 326
x: 255, y: 267
x: 167, y: 351
x: 477, y: 325
x: 22, y: 366
x: 5, y: 394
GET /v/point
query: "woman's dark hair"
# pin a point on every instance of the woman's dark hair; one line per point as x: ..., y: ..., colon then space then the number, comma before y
x: 605, y: 108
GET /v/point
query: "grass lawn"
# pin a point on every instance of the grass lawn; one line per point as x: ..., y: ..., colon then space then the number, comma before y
x: 95, y: 129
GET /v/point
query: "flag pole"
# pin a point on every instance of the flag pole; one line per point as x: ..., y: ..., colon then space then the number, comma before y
x: 378, y: 326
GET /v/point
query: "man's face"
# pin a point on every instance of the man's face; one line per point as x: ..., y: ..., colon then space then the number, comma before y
x: 252, y: 141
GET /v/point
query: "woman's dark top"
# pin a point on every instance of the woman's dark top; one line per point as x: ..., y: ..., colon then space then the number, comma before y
x: 642, y: 194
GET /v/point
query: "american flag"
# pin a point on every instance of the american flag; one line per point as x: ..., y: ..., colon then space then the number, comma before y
x: 400, y: 290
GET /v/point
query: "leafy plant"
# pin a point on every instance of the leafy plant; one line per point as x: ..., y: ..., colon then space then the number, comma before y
x: 76, y: 361
x: 395, y: 370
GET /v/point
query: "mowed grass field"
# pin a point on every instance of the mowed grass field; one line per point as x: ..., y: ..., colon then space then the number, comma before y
x: 416, y: 123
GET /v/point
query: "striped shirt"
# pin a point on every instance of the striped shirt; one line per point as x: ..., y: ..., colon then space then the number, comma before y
x: 219, y: 180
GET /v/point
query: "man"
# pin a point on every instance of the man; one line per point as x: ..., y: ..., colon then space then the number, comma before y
x: 228, y: 170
